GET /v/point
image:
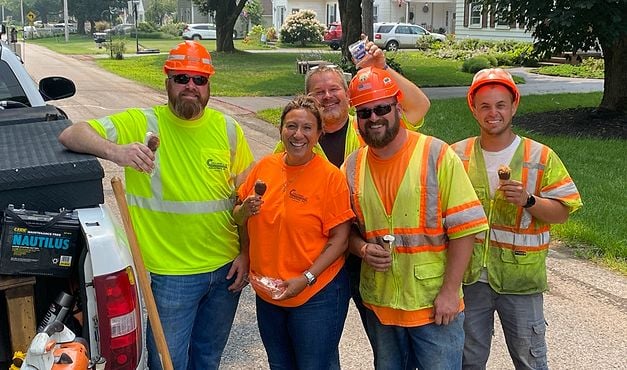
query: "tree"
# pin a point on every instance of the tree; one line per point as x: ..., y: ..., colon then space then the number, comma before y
x: 44, y: 8
x: 350, y: 13
x: 226, y: 13
x: 572, y: 25
x: 253, y: 11
x: 158, y: 9
x: 91, y: 11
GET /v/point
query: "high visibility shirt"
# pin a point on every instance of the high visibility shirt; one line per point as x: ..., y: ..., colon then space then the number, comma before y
x: 300, y: 207
x: 182, y: 213
x: 354, y: 140
x: 434, y: 203
x: 514, y: 249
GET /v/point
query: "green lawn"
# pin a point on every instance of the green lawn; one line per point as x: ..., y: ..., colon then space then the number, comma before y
x: 592, y: 230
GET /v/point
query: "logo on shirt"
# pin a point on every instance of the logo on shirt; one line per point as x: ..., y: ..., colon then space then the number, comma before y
x: 217, y: 166
x: 297, y: 197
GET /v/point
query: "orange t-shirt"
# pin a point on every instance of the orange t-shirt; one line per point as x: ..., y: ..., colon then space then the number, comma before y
x: 301, y: 205
x: 387, y: 179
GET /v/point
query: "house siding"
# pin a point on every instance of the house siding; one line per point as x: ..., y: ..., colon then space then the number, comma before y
x: 463, y: 29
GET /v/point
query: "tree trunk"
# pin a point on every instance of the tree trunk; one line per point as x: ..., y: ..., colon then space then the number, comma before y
x: 350, y: 13
x: 367, y: 18
x: 615, y: 82
x: 80, y: 25
x: 226, y: 16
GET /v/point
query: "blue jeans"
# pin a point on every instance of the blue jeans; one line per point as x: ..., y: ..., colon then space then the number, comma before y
x: 306, y: 337
x: 522, y: 319
x: 429, y: 347
x: 196, y: 313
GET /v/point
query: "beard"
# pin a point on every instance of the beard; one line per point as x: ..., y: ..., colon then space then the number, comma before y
x: 380, y: 141
x: 186, y: 108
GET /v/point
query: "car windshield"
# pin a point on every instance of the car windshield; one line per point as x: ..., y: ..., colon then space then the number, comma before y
x: 10, y: 88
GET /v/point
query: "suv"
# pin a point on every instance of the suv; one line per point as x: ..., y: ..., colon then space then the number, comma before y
x: 333, y: 35
x: 394, y: 36
x: 202, y: 31
x: 42, y: 180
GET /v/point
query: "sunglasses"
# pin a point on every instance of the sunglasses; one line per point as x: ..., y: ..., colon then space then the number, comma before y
x: 379, y: 110
x: 183, y: 79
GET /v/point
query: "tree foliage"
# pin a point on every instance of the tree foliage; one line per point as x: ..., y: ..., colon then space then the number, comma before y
x: 574, y: 25
x: 253, y: 11
x: 302, y: 27
x: 158, y: 9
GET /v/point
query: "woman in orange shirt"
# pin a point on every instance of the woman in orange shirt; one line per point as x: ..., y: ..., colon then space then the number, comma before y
x: 298, y: 231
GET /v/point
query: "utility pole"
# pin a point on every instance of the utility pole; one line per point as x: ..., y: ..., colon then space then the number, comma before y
x: 22, y: 12
x: 136, y: 29
x: 66, y: 20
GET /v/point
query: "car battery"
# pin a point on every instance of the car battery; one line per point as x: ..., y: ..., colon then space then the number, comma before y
x: 39, y: 243
x: 38, y: 173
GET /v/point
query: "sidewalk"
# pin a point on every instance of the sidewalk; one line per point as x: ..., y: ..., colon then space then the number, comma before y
x: 535, y: 84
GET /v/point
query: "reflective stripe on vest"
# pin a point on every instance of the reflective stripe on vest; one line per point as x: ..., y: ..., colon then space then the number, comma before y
x: 110, y: 130
x: 156, y: 202
x: 419, y: 253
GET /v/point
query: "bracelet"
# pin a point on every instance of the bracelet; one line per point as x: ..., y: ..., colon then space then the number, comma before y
x: 362, y: 251
x: 386, y: 66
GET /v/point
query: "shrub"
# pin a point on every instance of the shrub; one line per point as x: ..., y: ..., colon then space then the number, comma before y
x: 302, y: 27
x: 118, y: 48
x: 146, y: 27
x: 475, y: 64
x: 254, y: 35
x: 101, y: 26
x: 174, y: 29
x: 492, y: 59
x: 427, y: 42
x: 271, y: 34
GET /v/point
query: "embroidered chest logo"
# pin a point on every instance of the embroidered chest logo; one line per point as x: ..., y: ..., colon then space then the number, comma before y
x: 215, y: 166
x: 293, y: 194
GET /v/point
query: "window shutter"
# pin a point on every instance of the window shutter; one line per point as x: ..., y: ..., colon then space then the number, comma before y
x: 484, y: 16
x: 466, y: 11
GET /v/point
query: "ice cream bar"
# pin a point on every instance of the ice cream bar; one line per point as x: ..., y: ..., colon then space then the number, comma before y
x: 504, y: 172
x: 260, y: 187
x: 153, y: 141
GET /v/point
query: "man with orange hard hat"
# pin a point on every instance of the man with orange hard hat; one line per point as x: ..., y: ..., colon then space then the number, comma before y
x: 417, y: 215
x: 524, y: 188
x: 180, y: 195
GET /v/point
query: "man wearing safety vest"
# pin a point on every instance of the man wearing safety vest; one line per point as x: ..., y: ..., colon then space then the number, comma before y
x: 417, y: 216
x: 181, y: 197
x: 341, y: 136
x: 524, y: 188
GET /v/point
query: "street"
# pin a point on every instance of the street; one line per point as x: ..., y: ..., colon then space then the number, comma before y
x: 586, y: 306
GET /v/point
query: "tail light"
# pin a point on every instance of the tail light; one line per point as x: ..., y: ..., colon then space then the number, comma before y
x: 377, y: 36
x: 119, y: 319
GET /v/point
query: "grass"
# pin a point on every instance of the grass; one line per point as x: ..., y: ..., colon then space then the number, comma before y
x: 593, y: 230
x: 590, y: 68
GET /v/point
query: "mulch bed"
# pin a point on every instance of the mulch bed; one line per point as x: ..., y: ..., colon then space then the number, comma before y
x: 575, y: 122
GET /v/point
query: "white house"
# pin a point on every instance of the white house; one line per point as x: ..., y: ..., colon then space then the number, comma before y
x: 473, y: 20
x: 437, y: 15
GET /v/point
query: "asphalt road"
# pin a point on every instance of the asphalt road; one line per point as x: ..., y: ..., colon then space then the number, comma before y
x: 586, y: 306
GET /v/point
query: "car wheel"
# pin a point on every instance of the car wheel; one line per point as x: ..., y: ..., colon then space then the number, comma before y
x: 334, y: 45
x: 391, y: 46
x: 196, y: 37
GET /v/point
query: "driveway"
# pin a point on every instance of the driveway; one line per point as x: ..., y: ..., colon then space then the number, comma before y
x: 586, y: 306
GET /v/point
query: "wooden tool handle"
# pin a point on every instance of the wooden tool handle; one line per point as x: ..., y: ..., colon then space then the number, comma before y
x: 142, y: 275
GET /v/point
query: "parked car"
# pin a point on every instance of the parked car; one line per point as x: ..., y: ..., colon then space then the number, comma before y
x: 202, y: 31
x: 39, y: 177
x: 60, y: 27
x: 394, y: 36
x: 333, y: 35
x: 121, y: 29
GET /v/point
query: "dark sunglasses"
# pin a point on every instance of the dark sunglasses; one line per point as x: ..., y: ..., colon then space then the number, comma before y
x: 379, y: 110
x: 183, y: 79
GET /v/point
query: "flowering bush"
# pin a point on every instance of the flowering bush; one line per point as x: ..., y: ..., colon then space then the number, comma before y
x: 302, y: 27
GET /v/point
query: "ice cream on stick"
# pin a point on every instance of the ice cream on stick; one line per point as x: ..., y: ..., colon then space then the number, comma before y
x: 504, y: 172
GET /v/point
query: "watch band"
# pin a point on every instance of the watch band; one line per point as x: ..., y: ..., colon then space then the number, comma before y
x: 311, y: 278
x: 531, y: 201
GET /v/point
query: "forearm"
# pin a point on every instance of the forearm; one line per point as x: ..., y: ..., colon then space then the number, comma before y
x: 82, y: 138
x: 335, y: 247
x: 355, y: 241
x: 239, y: 215
x: 414, y: 102
x: 457, y: 258
x: 549, y: 210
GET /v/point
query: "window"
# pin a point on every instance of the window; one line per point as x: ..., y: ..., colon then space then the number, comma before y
x: 375, y: 14
x: 295, y: 10
x: 499, y: 15
x: 475, y: 9
x: 403, y: 30
x: 385, y: 28
x: 331, y: 13
x: 418, y: 31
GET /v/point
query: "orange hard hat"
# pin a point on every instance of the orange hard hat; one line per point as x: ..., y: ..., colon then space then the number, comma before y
x: 370, y: 84
x: 189, y: 56
x: 489, y: 76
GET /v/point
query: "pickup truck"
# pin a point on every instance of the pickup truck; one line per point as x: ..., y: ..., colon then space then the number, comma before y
x: 38, y: 177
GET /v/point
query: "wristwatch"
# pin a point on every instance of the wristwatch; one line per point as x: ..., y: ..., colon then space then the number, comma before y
x: 531, y: 201
x: 311, y: 278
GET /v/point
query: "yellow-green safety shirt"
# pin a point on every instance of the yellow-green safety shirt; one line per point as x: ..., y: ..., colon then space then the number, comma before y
x: 182, y: 212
